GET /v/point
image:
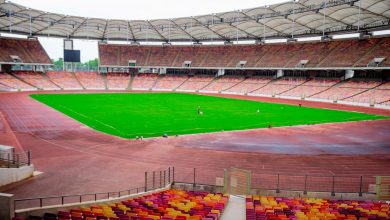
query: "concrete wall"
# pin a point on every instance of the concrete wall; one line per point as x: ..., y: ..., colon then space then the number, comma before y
x: 198, y: 187
x: 11, y: 175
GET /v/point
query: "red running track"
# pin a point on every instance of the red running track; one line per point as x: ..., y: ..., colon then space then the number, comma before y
x: 75, y: 159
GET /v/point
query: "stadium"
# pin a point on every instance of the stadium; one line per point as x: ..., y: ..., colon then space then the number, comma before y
x: 274, y: 112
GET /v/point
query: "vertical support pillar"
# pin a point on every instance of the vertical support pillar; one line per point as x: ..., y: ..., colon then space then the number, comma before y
x: 146, y: 181
x: 154, y: 178
x: 9, y: 160
x: 225, y: 176
x: 278, y: 184
x: 361, y: 186
x: 173, y: 175
x: 165, y: 178
x: 194, y: 184
x: 333, y: 185
x: 160, y: 178
x: 305, y: 191
x: 169, y: 174
x: 7, y: 204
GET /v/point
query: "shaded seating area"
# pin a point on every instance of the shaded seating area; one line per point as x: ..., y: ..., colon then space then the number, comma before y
x: 27, y: 51
x: 338, y: 53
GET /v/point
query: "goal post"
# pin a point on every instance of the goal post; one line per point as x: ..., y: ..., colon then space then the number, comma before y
x: 237, y: 181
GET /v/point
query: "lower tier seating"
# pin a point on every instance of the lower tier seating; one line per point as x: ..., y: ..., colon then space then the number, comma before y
x: 277, y: 208
x: 196, y: 83
x: 91, y: 80
x: 170, y: 82
x: 347, y: 89
x: 355, y: 90
x: 280, y: 86
x: 249, y: 85
x: 118, y: 80
x: 144, y: 81
x: 222, y: 83
x: 166, y: 205
x: 64, y: 79
x: 37, y: 80
x: 311, y: 87
x: 9, y: 81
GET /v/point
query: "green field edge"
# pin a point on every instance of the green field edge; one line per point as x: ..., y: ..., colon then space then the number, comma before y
x: 70, y: 114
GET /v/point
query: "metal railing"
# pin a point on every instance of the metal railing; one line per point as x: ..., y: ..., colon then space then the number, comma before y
x: 14, y: 160
x: 153, y: 180
x: 195, y: 177
x: 287, y: 182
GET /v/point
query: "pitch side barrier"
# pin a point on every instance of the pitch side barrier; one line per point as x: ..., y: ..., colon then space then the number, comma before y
x: 279, y: 184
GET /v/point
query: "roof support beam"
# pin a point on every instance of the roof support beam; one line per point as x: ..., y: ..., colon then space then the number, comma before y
x: 327, y: 17
x: 293, y: 20
x: 184, y: 31
x: 269, y: 27
x: 243, y: 31
x: 78, y: 27
x: 105, y: 30
x: 131, y: 31
x: 50, y: 24
x: 155, y: 29
x: 208, y: 28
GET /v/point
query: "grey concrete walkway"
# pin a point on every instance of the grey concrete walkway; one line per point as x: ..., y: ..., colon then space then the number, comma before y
x: 235, y: 210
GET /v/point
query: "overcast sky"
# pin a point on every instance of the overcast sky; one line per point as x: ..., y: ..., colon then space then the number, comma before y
x: 129, y: 9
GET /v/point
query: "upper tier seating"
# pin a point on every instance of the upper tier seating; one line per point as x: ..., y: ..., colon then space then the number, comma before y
x: 166, y: 205
x: 28, y: 50
x: 37, y: 80
x: 195, y: 83
x: 10, y: 81
x: 91, y: 80
x: 118, y: 80
x: 64, y: 79
x: 170, y: 82
x: 340, y: 53
x: 268, y: 207
x: 381, y: 49
x: 144, y: 81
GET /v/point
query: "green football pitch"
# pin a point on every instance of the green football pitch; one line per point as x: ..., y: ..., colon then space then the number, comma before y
x: 129, y: 115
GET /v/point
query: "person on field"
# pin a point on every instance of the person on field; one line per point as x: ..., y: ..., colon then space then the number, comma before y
x: 200, y: 111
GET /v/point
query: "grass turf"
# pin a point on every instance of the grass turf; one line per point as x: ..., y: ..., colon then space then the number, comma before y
x: 153, y: 114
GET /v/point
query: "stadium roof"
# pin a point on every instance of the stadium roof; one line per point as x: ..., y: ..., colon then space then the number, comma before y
x: 289, y: 19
